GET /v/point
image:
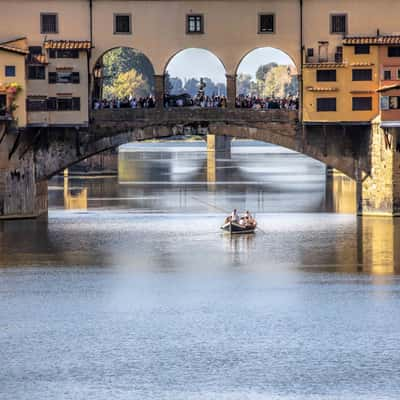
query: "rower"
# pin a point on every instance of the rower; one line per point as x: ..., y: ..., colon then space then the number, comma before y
x: 234, y: 216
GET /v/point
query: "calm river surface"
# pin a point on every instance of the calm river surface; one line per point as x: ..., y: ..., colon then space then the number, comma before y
x: 129, y: 290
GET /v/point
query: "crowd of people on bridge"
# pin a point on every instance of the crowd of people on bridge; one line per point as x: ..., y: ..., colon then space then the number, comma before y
x: 126, y: 102
x: 268, y: 103
x: 248, y: 102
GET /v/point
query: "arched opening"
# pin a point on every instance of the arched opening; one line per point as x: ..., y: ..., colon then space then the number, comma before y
x: 267, y: 78
x: 123, y: 78
x: 195, y: 77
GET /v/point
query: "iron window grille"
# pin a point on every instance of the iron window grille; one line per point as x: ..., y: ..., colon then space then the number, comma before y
x: 195, y: 24
x: 338, y: 23
x: 122, y: 24
x: 36, y: 72
x: 48, y: 23
x: 266, y: 23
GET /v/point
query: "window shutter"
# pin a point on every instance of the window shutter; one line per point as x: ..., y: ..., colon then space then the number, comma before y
x: 76, y: 103
x: 326, y: 104
x: 362, y: 103
x: 326, y: 75
x: 75, y: 77
x: 52, y: 77
x: 51, y: 104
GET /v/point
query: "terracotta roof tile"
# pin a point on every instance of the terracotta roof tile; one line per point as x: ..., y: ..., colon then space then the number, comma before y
x: 68, y: 44
x: 390, y: 87
x: 13, y: 49
x: 38, y: 59
x: 372, y: 40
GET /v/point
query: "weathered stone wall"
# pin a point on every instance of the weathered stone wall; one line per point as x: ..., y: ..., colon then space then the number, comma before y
x: 21, y: 196
x: 378, y: 189
x: 104, y: 163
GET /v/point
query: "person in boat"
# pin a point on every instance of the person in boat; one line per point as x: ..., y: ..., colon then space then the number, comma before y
x: 235, y: 216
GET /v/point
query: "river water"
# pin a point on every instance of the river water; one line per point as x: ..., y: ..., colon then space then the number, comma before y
x: 128, y: 290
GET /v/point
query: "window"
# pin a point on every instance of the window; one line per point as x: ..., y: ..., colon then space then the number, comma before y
x: 362, y: 103
x: 64, y: 77
x: 326, y: 75
x: 36, y: 72
x: 339, y: 55
x: 394, y: 51
x: 361, y: 49
x: 122, y: 23
x: 35, y: 51
x: 362, y: 74
x: 338, y: 24
x: 36, y: 104
x: 326, y: 104
x: 10, y: 70
x: 63, y: 53
x: 398, y: 74
x: 394, y: 102
x: 266, y: 23
x: 387, y: 75
x: 48, y: 23
x: 195, y: 24
x: 310, y: 52
x: 63, y: 104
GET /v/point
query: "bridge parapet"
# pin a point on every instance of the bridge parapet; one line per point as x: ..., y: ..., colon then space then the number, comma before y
x: 190, y: 115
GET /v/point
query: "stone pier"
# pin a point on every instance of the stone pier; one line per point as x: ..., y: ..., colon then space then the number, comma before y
x: 21, y: 195
x: 378, y: 190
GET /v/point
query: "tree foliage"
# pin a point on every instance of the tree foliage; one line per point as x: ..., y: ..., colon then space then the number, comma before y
x: 127, y: 84
x: 278, y: 81
x: 121, y: 60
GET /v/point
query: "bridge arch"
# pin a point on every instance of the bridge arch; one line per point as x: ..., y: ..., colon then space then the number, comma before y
x: 119, y: 62
x: 203, y: 63
x: 266, y: 72
x: 289, y: 56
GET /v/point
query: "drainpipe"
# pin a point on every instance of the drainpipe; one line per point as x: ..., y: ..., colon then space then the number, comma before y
x: 89, y: 54
x: 301, y: 91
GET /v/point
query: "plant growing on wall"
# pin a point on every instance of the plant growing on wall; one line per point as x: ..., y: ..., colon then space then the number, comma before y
x: 12, y: 90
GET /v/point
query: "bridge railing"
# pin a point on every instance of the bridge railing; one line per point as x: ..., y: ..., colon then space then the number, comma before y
x: 183, y: 115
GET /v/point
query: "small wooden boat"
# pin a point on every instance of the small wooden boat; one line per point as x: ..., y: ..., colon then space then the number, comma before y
x: 235, y: 228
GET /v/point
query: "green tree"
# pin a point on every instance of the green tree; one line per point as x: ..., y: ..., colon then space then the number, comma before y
x: 126, y: 84
x: 261, y: 73
x: 277, y: 81
x: 124, y: 59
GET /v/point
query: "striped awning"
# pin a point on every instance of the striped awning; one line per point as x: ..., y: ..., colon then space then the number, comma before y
x: 322, y: 89
x: 329, y: 65
x: 372, y: 40
x: 68, y: 44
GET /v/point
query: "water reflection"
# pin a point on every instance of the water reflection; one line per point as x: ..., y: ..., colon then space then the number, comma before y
x: 74, y: 198
x: 340, y: 193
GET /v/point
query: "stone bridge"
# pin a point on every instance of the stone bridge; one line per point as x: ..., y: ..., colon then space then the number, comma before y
x: 363, y: 152
x: 111, y: 128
